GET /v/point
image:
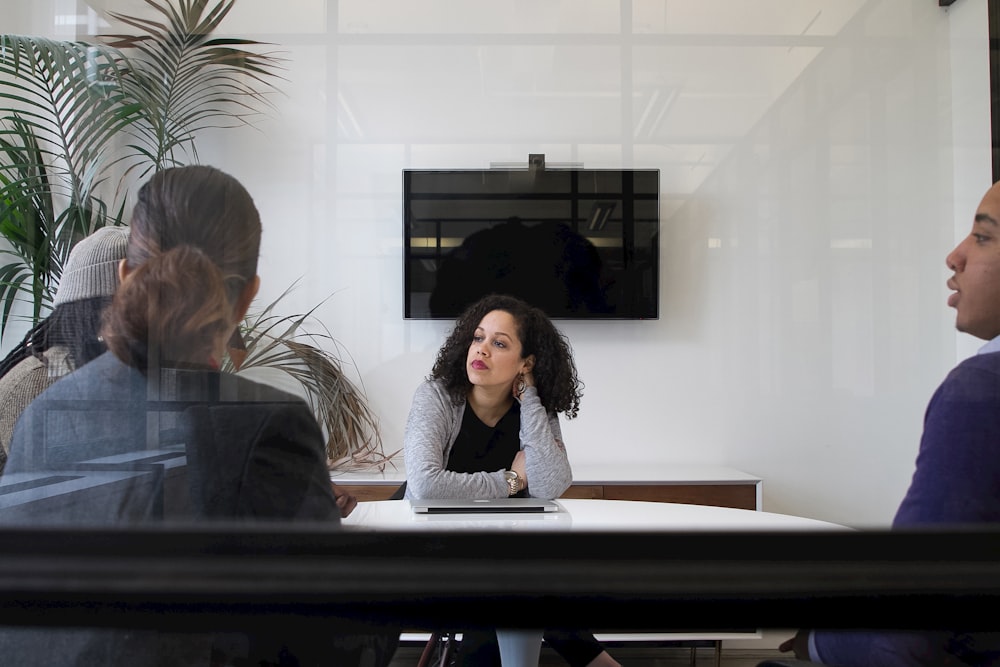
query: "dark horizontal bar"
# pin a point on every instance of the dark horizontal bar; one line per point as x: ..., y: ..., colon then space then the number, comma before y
x: 224, y: 575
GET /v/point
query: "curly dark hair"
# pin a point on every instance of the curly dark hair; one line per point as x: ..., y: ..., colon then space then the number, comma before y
x: 556, y: 380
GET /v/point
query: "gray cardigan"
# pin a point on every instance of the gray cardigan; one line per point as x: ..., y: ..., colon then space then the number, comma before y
x: 432, y: 427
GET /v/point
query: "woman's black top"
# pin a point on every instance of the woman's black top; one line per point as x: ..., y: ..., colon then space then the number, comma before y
x: 480, y: 448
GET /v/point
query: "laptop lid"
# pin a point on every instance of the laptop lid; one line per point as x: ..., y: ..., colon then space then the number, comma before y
x: 483, y: 506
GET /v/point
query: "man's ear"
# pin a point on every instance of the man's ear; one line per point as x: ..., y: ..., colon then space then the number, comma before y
x: 245, y: 298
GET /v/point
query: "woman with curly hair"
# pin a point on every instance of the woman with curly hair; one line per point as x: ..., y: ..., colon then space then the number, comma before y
x: 485, y: 425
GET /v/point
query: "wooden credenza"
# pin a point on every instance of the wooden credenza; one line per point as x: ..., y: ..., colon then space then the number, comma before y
x: 691, y: 484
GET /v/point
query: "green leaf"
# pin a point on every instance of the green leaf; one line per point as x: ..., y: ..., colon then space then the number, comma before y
x: 73, y: 113
x: 186, y: 81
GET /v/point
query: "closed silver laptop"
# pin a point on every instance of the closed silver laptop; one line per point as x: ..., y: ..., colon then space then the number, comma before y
x: 483, y: 506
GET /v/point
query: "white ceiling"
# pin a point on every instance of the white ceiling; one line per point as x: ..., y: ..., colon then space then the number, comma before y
x: 700, y: 74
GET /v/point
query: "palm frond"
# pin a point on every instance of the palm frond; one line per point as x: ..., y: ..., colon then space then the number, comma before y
x: 68, y: 95
x: 350, y: 426
x: 61, y: 110
x: 187, y: 81
x: 27, y: 221
x: 71, y: 111
x: 354, y: 438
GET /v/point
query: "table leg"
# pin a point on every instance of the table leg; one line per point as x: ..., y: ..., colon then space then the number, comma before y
x: 519, y: 648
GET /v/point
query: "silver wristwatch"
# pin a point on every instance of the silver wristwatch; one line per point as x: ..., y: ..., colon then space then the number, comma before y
x: 513, y: 482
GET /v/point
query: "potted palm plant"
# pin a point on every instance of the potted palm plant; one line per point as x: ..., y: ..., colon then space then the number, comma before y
x: 80, y: 123
x: 74, y: 115
x: 62, y: 109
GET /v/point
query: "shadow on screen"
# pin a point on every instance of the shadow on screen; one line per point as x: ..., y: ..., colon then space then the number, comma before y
x: 548, y: 264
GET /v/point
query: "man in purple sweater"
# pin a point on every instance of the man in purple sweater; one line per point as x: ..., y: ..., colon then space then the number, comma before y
x: 957, y: 477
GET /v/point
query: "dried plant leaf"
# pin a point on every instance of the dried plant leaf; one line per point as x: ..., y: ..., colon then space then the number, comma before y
x: 354, y: 440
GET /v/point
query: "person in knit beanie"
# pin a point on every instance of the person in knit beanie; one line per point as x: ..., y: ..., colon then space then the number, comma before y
x: 68, y: 337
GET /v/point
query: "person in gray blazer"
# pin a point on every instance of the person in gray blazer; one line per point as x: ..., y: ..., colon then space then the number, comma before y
x: 253, y: 453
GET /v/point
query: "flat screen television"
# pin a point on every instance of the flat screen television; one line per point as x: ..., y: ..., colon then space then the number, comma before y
x: 577, y: 243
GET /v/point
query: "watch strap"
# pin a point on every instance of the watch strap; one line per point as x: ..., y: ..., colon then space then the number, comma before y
x: 513, y: 482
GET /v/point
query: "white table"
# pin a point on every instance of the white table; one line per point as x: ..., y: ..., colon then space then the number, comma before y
x: 583, y: 515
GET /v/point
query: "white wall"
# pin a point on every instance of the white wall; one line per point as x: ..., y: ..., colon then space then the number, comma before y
x: 970, y: 116
x: 818, y: 160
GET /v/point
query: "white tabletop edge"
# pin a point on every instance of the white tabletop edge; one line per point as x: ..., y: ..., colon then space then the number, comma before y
x: 617, y: 474
x: 586, y: 515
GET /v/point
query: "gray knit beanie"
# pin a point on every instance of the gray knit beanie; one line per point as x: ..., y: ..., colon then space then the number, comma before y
x: 92, y: 267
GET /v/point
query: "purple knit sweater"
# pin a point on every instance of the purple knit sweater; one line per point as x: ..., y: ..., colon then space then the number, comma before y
x: 956, y: 482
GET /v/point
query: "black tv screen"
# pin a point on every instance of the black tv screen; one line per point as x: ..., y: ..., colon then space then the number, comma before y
x: 577, y: 243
